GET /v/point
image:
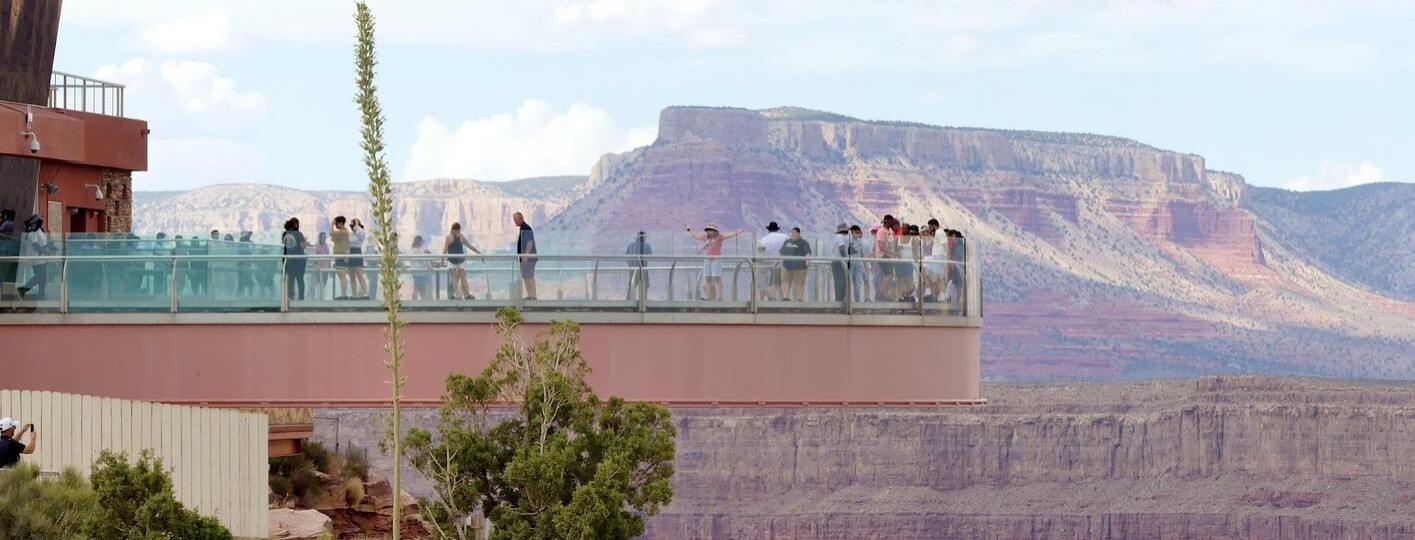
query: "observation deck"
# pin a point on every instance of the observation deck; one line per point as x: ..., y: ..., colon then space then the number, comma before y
x: 216, y: 323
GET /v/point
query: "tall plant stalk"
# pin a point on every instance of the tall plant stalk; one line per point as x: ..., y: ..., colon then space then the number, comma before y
x: 380, y: 189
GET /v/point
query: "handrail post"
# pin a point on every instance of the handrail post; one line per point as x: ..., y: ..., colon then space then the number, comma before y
x: 63, y: 285
x: 919, y: 285
x: 284, y: 284
x: 643, y: 286
x: 594, y: 281
x: 849, y: 285
x: 752, y: 300
x: 672, y: 269
x: 736, y: 271
x: 172, y: 285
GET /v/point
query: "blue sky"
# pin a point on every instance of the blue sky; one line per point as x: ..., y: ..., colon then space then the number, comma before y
x: 1306, y: 94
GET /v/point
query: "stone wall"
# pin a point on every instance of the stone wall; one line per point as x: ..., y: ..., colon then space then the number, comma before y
x: 118, y: 199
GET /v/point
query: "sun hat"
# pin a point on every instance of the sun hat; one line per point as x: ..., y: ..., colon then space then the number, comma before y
x: 711, y: 227
x: 773, y: 227
x: 842, y: 227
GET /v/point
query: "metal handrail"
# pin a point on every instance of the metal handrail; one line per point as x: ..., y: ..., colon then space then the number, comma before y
x: 181, y: 269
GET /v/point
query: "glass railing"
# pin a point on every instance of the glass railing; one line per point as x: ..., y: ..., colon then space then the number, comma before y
x: 233, y: 278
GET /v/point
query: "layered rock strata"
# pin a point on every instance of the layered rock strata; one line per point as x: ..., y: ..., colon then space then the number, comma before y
x: 1238, y: 458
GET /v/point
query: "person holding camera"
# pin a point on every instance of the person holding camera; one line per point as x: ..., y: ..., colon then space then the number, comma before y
x: 10, y: 447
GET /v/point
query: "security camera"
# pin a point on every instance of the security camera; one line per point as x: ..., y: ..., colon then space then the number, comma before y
x: 33, y: 141
x: 97, y: 191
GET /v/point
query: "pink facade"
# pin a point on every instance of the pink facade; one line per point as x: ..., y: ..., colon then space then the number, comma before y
x: 339, y: 363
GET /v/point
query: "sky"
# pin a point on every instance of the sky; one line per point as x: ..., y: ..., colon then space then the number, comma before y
x: 1302, y: 94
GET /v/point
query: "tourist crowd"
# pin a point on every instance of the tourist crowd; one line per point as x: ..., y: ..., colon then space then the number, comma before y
x: 878, y: 266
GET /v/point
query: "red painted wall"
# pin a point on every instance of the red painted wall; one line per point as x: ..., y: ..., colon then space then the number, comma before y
x: 340, y: 363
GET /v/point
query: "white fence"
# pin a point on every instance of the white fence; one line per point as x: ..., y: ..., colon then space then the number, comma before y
x: 217, y: 457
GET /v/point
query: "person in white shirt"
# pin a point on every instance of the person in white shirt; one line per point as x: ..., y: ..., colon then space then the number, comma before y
x: 35, y: 243
x: 358, y: 237
x: 770, y: 246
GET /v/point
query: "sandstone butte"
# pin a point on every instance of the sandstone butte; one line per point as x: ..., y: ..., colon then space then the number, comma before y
x: 1102, y: 257
x: 1213, y: 458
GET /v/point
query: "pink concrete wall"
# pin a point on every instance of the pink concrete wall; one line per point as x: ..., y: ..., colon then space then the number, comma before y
x: 340, y: 363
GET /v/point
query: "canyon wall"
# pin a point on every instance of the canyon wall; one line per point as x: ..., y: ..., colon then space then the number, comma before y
x: 1238, y: 458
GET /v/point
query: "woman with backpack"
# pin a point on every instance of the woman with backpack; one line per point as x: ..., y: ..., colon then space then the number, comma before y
x: 295, y: 244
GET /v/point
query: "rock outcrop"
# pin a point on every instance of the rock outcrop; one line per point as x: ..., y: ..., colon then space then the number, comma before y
x: 1235, y: 458
x: 287, y: 524
x: 427, y: 207
x: 1102, y: 256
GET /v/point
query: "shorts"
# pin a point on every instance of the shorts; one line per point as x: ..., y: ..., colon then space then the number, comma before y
x: 341, y: 262
x: 528, y: 267
x: 904, y: 270
x: 886, y: 269
x: 712, y: 268
x: 794, y: 277
x: 773, y: 276
x: 456, y: 261
x: 355, y: 262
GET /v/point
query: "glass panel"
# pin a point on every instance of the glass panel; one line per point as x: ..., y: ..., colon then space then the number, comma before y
x: 250, y: 283
x: 103, y: 284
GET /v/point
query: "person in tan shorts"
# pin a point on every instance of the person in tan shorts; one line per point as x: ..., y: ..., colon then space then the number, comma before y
x: 793, y: 271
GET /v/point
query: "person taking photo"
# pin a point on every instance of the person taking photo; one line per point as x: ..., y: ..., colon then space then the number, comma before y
x: 10, y: 447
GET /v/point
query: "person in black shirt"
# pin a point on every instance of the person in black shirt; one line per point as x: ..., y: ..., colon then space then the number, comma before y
x: 639, y: 275
x: 10, y: 447
x: 526, y: 248
x: 793, y: 271
x: 295, y: 261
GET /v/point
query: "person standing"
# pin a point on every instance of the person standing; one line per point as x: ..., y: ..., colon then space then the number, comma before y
x: 422, y: 270
x: 321, y: 266
x: 886, y: 247
x: 712, y: 269
x: 9, y: 245
x: 295, y: 262
x: 526, y: 248
x: 246, y: 269
x: 340, y: 238
x: 793, y: 271
x: 35, y: 243
x: 455, y: 245
x: 840, y: 251
x: 358, y: 240
x: 770, y: 246
x: 638, y: 275
x: 10, y: 447
x: 855, y: 251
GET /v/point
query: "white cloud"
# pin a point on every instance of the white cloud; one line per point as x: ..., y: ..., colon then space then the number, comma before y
x: 184, y: 96
x: 536, y: 140
x: 203, y: 125
x: 1338, y: 175
x: 202, y: 32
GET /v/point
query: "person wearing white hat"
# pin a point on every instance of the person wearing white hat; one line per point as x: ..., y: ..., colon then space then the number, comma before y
x: 10, y: 447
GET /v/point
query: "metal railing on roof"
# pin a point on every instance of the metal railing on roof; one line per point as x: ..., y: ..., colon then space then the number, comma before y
x: 218, y: 278
x: 75, y: 93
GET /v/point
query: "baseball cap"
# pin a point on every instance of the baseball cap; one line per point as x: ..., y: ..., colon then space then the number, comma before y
x: 7, y: 423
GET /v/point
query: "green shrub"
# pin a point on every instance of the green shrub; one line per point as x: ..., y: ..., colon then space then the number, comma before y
x: 304, y: 485
x: 324, y: 460
x: 40, y: 509
x: 134, y: 500
x: 281, y: 485
x: 356, y: 463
